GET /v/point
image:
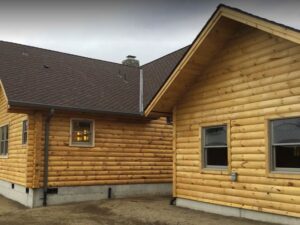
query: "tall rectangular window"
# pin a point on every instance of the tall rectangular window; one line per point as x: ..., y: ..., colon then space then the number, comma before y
x: 4, y: 140
x: 24, y: 132
x: 285, y: 144
x: 214, y: 145
x: 82, y: 132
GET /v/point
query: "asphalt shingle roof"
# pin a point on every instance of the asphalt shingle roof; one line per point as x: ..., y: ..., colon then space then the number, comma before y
x: 157, y: 72
x: 36, y: 77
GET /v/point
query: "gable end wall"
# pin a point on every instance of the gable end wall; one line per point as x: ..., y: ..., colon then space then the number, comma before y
x: 254, y: 78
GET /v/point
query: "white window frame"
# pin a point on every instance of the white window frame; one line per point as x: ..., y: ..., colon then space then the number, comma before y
x: 5, y: 155
x: 272, y: 152
x: 83, y: 144
x: 205, y: 148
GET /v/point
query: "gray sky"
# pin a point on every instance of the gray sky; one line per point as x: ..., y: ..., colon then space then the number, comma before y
x: 110, y: 30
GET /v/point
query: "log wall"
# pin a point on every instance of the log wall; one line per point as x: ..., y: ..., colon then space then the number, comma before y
x: 256, y: 76
x: 126, y: 151
x: 13, y: 167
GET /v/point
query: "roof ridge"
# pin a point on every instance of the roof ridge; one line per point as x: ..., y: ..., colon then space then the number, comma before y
x: 65, y: 53
x: 85, y: 57
x: 170, y: 53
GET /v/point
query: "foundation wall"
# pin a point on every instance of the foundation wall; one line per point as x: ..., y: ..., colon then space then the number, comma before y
x: 237, y: 212
x: 61, y: 195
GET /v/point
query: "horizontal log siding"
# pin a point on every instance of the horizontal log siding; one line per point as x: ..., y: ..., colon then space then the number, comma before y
x: 13, y: 168
x: 255, y: 76
x: 126, y: 151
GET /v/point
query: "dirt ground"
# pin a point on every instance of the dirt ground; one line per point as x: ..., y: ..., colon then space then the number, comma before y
x: 137, y: 211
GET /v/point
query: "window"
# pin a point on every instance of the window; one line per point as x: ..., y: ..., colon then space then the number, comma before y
x: 169, y: 120
x: 4, y: 140
x: 82, y: 132
x: 214, y: 147
x: 24, y: 132
x: 285, y: 144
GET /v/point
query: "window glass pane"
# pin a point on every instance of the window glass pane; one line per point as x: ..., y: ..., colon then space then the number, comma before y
x: 24, y: 135
x: 287, y: 156
x: 4, y: 140
x: 79, y: 125
x: 2, y: 147
x: 216, y: 157
x: 286, y: 131
x: 215, y: 136
x: 25, y: 125
x: 82, y: 132
x: 2, y: 133
x: 6, y: 132
x: 5, y: 147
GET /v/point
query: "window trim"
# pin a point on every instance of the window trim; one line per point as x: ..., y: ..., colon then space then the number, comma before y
x: 269, y: 172
x: 214, y: 169
x: 25, y: 144
x: 86, y: 145
x: 272, y: 152
x: 7, y: 153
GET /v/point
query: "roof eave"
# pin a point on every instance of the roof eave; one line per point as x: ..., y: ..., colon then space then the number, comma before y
x: 39, y: 106
x: 260, y: 23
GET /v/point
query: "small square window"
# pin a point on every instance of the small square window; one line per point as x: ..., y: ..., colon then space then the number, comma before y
x: 214, y: 147
x: 82, y: 132
x: 285, y: 144
x: 24, y: 132
x: 4, y: 140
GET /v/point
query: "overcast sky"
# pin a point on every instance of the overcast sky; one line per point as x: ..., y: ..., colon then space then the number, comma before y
x: 110, y: 30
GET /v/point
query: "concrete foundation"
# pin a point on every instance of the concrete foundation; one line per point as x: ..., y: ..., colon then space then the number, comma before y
x: 237, y: 212
x: 34, y: 197
x: 17, y: 193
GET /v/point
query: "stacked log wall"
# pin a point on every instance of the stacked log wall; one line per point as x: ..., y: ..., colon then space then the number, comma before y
x: 255, y: 77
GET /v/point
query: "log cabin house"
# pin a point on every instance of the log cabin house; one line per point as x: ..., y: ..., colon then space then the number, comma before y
x: 235, y: 100
x: 72, y: 128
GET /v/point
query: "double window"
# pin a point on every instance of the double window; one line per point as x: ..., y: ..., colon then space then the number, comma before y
x: 4, y: 140
x: 82, y: 132
x: 214, y: 147
x: 285, y: 144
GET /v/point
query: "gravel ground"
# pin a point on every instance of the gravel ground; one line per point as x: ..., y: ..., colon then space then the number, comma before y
x: 138, y: 211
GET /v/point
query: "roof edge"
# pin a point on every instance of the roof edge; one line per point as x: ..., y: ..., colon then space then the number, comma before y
x: 170, y: 53
x: 31, y: 105
x: 4, y: 92
x: 181, y: 63
x: 269, y: 26
x: 259, y: 17
x: 234, y: 14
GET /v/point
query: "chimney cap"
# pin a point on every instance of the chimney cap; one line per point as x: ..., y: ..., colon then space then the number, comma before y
x: 131, y: 57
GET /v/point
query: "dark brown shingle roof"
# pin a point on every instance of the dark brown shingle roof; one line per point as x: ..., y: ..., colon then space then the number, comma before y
x: 158, y: 71
x: 35, y: 77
